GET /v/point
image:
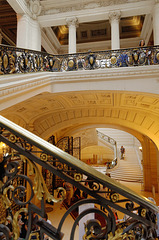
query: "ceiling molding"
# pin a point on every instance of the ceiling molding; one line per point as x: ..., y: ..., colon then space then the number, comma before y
x: 98, y: 13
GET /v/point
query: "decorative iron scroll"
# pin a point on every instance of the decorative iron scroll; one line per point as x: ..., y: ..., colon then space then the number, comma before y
x: 105, y: 193
x: 17, y: 60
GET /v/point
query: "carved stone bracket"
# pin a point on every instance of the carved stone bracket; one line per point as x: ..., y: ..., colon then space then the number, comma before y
x: 35, y: 8
x: 72, y: 22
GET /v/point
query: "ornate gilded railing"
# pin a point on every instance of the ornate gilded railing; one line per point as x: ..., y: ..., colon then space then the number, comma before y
x: 113, y: 143
x: 17, y: 60
x: 105, y: 193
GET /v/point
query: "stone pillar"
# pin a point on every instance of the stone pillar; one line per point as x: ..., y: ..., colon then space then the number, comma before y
x: 72, y: 24
x: 114, y: 18
x: 155, y: 23
x: 28, y: 33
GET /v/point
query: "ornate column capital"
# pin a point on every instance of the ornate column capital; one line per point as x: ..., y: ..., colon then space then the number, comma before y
x: 114, y: 15
x: 72, y: 22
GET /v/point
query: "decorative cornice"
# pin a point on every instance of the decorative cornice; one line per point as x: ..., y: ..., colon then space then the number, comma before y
x: 85, y: 5
x: 17, y: 88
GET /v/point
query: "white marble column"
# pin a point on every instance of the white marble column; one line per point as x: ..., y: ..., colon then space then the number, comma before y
x: 72, y: 24
x: 114, y: 18
x: 155, y: 23
x: 28, y: 33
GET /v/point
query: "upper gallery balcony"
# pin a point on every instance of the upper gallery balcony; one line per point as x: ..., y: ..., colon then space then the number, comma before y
x: 17, y: 60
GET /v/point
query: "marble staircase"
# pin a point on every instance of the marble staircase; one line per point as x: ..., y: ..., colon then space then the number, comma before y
x: 128, y: 169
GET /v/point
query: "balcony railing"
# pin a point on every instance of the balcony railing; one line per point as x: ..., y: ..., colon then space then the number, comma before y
x: 104, y: 192
x: 17, y: 60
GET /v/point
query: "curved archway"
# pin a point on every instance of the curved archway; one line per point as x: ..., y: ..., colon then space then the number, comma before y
x: 61, y: 113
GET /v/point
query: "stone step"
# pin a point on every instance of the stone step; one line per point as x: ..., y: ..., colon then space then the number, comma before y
x: 128, y: 169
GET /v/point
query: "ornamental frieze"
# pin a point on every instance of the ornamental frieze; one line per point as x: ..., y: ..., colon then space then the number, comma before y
x: 90, y: 5
x: 38, y: 7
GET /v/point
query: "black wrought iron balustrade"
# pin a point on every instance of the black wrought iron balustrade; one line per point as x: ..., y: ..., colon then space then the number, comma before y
x: 105, y: 193
x: 17, y: 60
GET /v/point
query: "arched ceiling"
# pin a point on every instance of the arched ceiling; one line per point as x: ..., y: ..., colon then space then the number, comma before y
x: 48, y: 113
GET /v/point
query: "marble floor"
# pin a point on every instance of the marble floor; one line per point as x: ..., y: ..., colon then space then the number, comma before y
x: 55, y: 217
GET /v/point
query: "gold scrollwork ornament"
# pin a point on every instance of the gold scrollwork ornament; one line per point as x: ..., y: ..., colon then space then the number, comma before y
x: 1, y: 66
x: 91, y: 59
x: 15, y: 222
x: 136, y: 56
x: 44, y: 157
x: 143, y: 212
x: 12, y: 138
x: 60, y: 166
x: 120, y: 236
x: 113, y: 60
x: 5, y: 200
x: 78, y: 177
x: 5, y: 61
x: 115, y: 197
x: 12, y: 64
x: 157, y: 56
x: 40, y: 188
x: 51, y: 62
x: 71, y: 63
